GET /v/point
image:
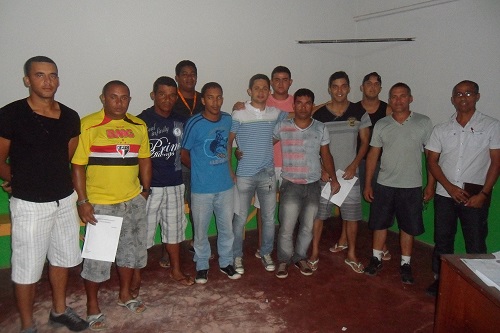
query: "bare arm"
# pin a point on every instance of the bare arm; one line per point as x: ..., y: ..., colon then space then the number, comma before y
x: 371, y: 164
x: 186, y: 158
x: 85, y: 210
x: 238, y: 106
x: 145, y: 174
x: 430, y: 188
x: 72, y: 144
x: 230, y: 140
x: 316, y: 107
x: 478, y: 200
x: 364, y: 136
x: 5, y: 173
x: 329, y: 166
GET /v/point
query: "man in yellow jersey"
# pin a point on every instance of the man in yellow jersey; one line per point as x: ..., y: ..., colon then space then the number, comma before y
x: 110, y: 164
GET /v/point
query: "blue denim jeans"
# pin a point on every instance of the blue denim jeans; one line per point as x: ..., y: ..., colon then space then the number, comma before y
x: 297, y: 202
x: 474, y: 222
x: 203, y: 206
x: 264, y: 183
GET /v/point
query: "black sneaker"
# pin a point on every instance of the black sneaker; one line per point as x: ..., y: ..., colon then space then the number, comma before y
x: 282, y: 270
x: 303, y: 267
x: 406, y: 275
x: 69, y: 319
x: 374, y: 267
x: 230, y: 272
x: 433, y: 288
x: 201, y: 276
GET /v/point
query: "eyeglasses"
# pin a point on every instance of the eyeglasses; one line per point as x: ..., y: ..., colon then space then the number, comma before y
x: 462, y: 94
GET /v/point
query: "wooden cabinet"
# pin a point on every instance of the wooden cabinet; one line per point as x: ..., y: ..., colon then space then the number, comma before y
x: 465, y: 303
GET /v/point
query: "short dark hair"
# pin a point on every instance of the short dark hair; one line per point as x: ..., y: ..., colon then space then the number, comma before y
x: 400, y: 85
x: 114, y: 83
x: 474, y: 84
x: 258, y: 77
x: 338, y: 75
x: 164, y: 81
x: 368, y: 76
x: 303, y: 92
x: 185, y: 63
x: 210, y: 85
x: 281, y: 69
x: 27, y: 64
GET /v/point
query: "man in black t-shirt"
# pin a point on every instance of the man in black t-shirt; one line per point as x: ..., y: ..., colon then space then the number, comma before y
x: 188, y: 104
x: 39, y: 136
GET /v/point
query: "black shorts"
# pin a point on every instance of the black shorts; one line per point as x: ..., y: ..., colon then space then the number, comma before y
x: 404, y: 203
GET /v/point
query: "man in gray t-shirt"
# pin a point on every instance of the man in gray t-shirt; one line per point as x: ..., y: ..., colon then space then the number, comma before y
x: 399, y: 185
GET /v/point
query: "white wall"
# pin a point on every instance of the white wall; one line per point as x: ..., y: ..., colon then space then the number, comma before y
x: 96, y: 41
x: 454, y: 41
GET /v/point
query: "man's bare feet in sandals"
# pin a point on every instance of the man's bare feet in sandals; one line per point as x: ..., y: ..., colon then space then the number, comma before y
x: 182, y: 278
x: 164, y: 262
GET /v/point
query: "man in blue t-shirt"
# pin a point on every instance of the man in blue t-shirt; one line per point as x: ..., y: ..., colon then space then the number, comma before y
x: 205, y: 150
x: 166, y: 201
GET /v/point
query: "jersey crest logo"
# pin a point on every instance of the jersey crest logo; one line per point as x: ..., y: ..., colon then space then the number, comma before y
x: 122, y: 150
x: 177, y: 132
x: 351, y: 121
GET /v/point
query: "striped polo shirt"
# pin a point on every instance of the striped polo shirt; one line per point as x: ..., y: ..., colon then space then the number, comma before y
x: 254, y: 137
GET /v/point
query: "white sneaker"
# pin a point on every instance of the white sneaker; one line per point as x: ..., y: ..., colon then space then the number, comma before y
x: 268, y: 263
x: 238, y: 265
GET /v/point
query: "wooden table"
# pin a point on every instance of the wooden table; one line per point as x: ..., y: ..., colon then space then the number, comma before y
x: 465, y: 303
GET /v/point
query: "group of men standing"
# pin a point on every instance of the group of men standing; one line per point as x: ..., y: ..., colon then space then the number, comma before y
x: 142, y: 168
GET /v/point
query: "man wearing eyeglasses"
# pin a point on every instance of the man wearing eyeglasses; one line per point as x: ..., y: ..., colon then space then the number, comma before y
x: 464, y: 157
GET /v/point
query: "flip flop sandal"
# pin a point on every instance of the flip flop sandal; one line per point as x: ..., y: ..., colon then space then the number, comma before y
x: 356, y: 266
x: 187, y: 280
x: 313, y: 264
x: 134, y: 305
x: 96, y: 322
x: 386, y: 255
x: 338, y: 248
x: 165, y: 263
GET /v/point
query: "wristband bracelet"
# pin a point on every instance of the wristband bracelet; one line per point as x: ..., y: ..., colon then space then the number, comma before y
x: 81, y: 202
x: 486, y: 194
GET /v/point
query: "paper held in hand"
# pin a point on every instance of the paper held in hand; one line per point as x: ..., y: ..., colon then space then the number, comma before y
x: 101, y: 239
x: 345, y: 188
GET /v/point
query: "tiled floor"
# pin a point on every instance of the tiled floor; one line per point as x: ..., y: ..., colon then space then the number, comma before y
x: 333, y: 299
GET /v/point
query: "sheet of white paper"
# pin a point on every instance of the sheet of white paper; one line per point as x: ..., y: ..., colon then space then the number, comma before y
x: 101, y: 239
x: 345, y: 188
x: 488, y: 270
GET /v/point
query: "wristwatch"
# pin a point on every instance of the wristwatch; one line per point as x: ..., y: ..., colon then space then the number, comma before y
x: 146, y: 190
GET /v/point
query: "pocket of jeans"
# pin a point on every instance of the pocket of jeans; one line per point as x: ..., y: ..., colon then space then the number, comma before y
x: 284, y: 185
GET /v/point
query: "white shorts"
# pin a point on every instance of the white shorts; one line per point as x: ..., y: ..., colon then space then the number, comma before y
x: 166, y: 207
x: 43, y: 230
